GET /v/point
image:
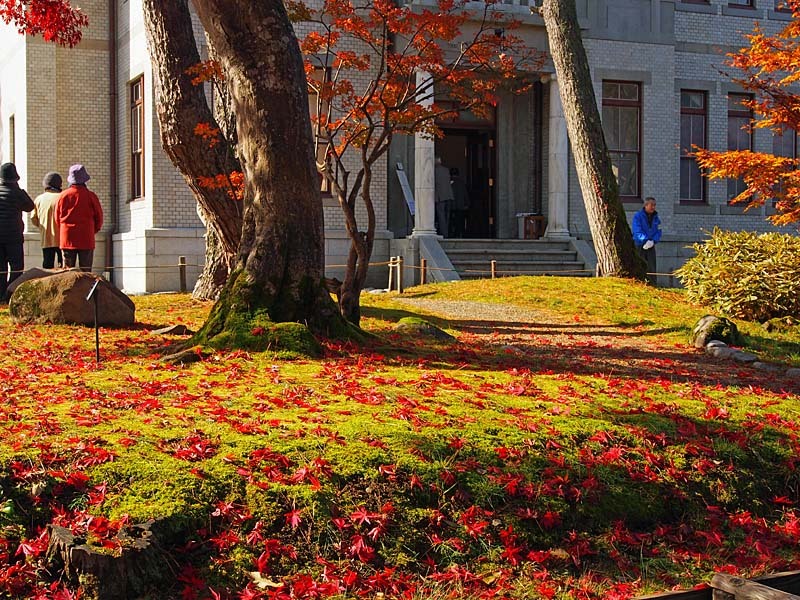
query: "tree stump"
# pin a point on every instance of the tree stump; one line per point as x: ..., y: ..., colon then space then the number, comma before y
x: 139, y: 566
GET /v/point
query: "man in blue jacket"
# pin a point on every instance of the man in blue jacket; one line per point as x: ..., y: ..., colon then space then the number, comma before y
x: 646, y: 234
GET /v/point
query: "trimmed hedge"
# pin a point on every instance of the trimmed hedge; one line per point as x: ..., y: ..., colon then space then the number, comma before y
x: 746, y: 275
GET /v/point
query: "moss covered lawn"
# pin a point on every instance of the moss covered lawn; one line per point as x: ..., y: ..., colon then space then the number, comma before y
x: 586, y: 451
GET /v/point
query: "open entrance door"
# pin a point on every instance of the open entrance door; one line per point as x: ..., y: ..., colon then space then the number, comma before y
x: 470, y: 156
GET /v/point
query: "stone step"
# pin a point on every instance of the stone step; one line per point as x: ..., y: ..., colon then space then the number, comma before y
x: 513, y: 254
x: 482, y: 244
x: 482, y: 275
x: 472, y: 259
x: 483, y: 268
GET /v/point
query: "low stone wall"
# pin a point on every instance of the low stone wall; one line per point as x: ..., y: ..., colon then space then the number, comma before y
x: 148, y: 262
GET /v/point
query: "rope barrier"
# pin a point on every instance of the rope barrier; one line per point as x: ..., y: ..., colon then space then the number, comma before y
x: 429, y: 268
x: 390, y: 263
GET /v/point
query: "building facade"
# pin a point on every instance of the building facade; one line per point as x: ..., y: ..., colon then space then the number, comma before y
x: 657, y: 71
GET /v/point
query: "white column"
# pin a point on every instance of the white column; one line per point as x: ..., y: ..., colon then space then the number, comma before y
x: 424, y: 183
x: 557, y: 169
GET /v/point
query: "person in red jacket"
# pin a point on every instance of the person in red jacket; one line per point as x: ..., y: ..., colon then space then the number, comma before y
x: 80, y: 217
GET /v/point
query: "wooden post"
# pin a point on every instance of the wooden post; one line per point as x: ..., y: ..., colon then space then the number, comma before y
x: 391, y: 274
x: 736, y: 587
x: 182, y: 268
x: 400, y: 262
x: 423, y: 273
x: 494, y: 269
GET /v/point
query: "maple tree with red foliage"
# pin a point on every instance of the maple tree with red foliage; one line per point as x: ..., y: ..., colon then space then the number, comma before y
x: 770, y: 71
x: 362, y: 65
x: 55, y: 20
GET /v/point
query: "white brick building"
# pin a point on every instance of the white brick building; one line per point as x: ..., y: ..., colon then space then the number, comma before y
x: 656, y: 68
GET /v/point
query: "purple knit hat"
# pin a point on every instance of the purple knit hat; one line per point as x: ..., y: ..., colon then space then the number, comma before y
x: 77, y: 174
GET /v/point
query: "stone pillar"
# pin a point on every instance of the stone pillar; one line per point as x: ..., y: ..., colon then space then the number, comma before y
x: 424, y: 183
x: 558, y: 168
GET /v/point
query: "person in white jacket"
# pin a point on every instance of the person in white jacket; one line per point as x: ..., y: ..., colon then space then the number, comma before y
x: 44, y: 217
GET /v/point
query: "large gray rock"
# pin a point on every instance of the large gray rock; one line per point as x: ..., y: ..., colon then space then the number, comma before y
x: 715, y: 328
x: 743, y: 357
x: 720, y: 351
x: 61, y: 298
x: 716, y: 344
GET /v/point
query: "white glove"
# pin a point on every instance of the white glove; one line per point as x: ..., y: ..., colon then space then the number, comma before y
x: 648, y: 244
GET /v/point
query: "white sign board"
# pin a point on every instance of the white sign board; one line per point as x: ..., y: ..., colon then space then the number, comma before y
x: 407, y: 193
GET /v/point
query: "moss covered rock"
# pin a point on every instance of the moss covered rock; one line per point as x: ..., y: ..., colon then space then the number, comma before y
x: 715, y: 328
x: 782, y: 324
x: 417, y: 326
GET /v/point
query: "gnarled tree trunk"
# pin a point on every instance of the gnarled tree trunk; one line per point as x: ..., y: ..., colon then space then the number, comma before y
x: 181, y: 106
x: 613, y: 242
x: 218, y: 264
x: 279, y: 266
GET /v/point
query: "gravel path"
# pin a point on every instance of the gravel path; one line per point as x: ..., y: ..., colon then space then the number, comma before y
x: 456, y: 310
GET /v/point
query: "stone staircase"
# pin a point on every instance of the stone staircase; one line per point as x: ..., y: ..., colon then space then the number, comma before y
x: 472, y: 259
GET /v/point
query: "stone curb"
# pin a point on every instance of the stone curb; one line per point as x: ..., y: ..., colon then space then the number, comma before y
x: 719, y: 349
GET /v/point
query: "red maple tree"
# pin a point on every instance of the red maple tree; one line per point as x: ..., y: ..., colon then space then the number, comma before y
x: 55, y: 20
x: 363, y: 64
x: 770, y: 68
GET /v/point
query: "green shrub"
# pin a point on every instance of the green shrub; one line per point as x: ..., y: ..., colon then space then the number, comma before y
x: 746, y: 275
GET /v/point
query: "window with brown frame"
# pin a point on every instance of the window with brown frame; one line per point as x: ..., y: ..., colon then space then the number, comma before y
x: 137, y: 137
x: 319, y: 76
x: 784, y: 143
x: 694, y: 119
x: 622, y: 111
x: 740, y: 134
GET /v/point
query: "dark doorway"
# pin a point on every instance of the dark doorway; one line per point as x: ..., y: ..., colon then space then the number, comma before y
x: 470, y: 156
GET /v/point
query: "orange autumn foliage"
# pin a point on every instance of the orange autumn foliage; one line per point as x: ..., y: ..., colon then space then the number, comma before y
x: 205, y: 71
x: 209, y: 134
x: 770, y: 68
x: 468, y: 54
x: 232, y: 183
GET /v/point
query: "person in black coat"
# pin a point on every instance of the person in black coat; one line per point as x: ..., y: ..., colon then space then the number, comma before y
x: 13, y: 201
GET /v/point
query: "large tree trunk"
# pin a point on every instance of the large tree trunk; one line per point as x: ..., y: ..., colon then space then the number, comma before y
x: 219, y: 263
x: 217, y: 267
x: 613, y: 242
x: 181, y: 106
x: 279, y: 266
